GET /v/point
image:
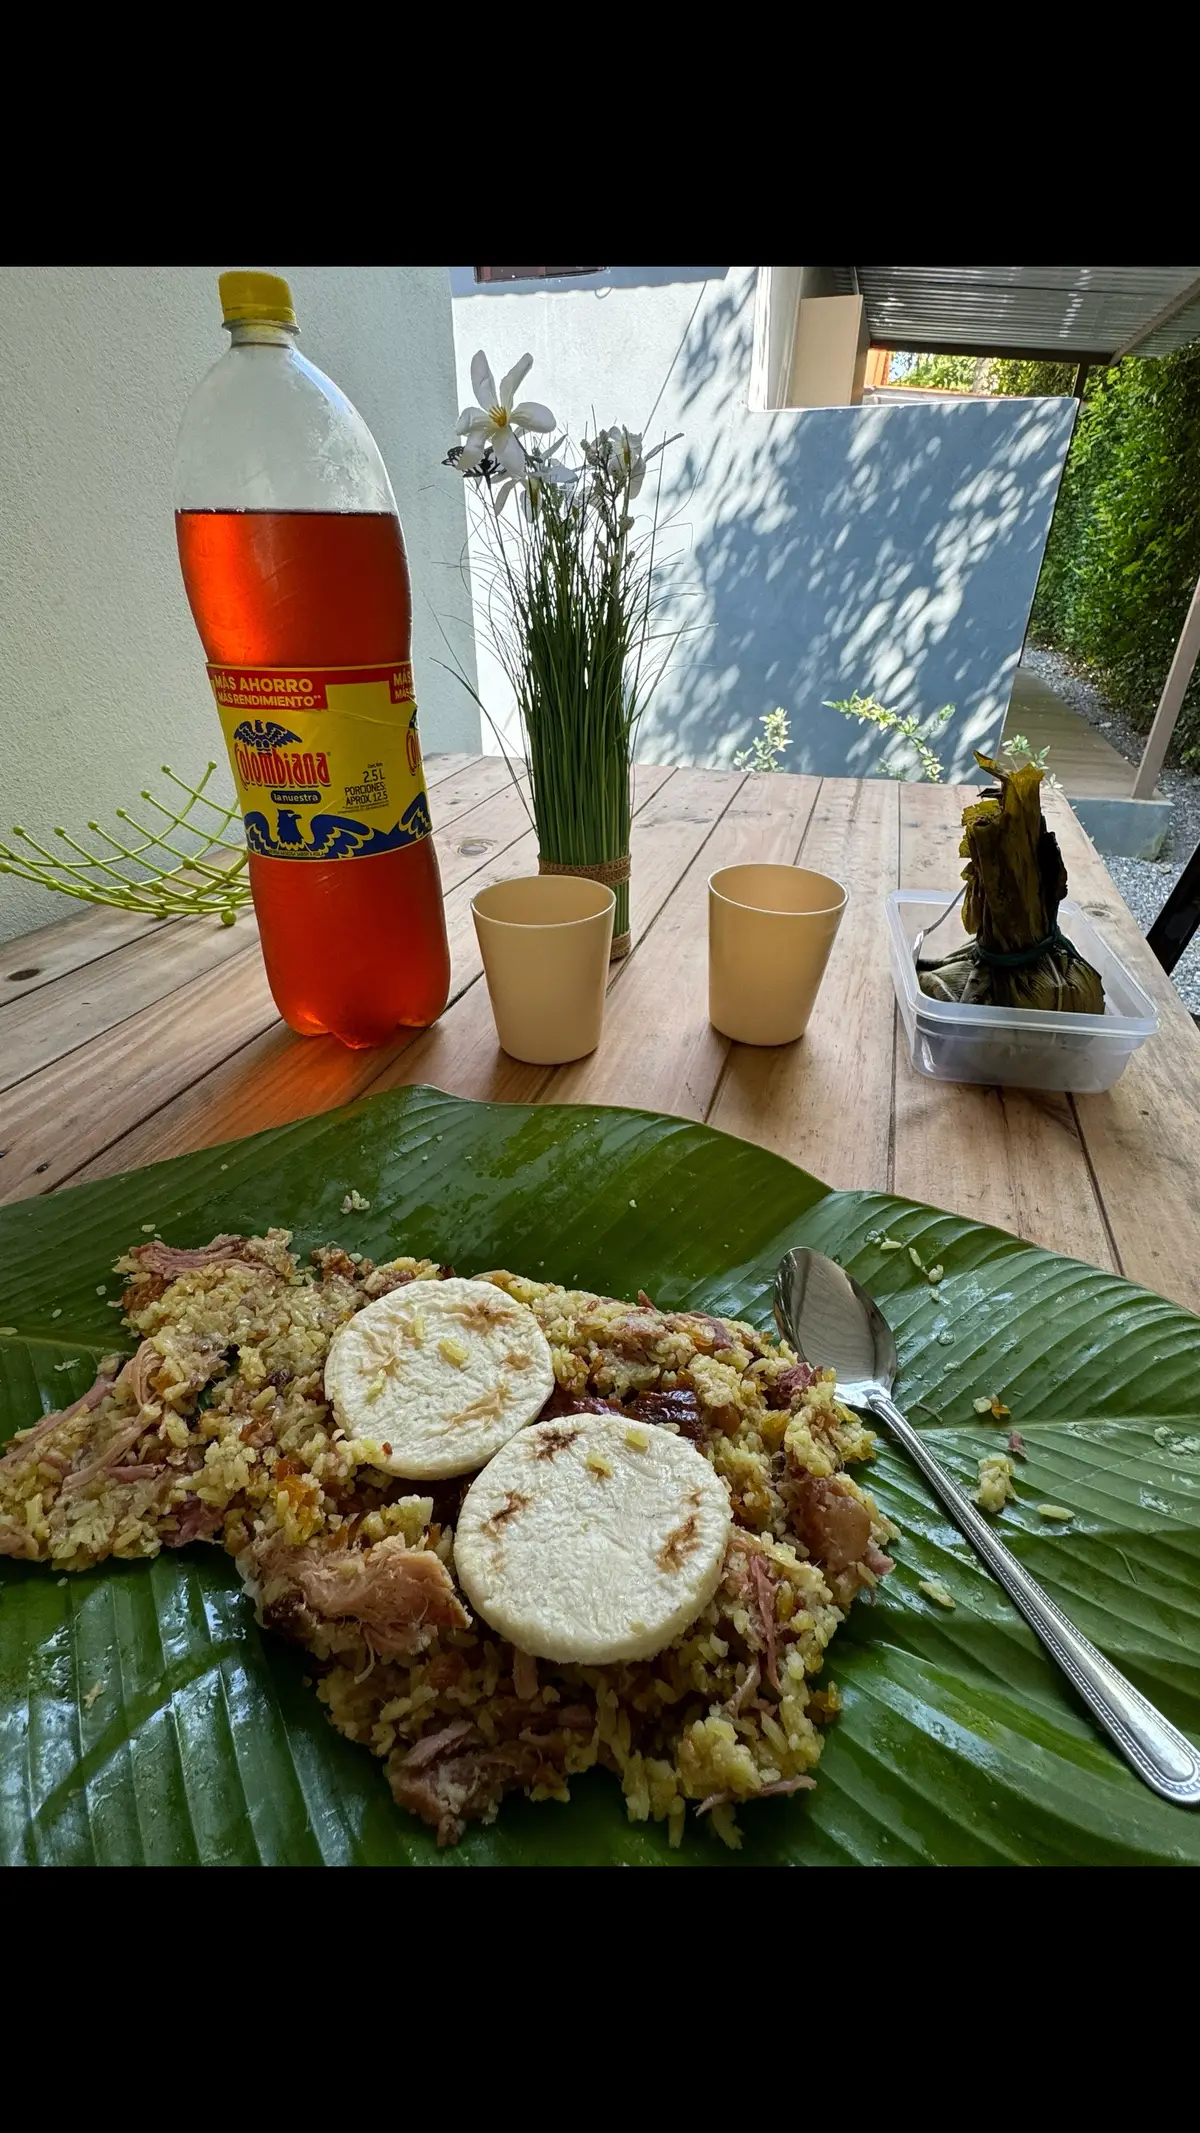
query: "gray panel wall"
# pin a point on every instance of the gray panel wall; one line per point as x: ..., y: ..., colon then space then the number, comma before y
x: 893, y: 549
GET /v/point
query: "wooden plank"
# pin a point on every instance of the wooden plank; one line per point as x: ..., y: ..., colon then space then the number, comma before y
x: 59, y: 1119
x: 668, y: 832
x: 647, y: 779
x: 1007, y: 1156
x: 479, y: 836
x: 66, y: 944
x: 482, y: 778
x: 660, y: 1050
x: 461, y: 1053
x: 36, y: 959
x: 279, y: 1076
x: 440, y: 767
x: 209, y: 1059
x: 1141, y: 1135
x: 269, y: 1081
x: 825, y: 1102
x: 1087, y: 765
x: 78, y: 1007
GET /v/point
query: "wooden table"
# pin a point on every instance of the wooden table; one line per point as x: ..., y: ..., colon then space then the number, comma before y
x: 123, y: 1039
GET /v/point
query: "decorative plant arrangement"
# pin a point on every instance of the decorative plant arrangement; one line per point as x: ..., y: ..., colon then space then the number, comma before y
x: 187, y: 861
x: 568, y: 600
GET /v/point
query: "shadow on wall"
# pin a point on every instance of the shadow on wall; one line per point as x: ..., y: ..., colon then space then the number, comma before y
x: 887, y: 548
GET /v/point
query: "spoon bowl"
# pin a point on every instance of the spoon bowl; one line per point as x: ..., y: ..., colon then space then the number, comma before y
x: 829, y: 1318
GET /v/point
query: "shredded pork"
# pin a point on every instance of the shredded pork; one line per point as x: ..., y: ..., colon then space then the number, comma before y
x: 170, y: 1262
x: 26, y: 1440
x: 834, y: 1526
x: 454, y: 1776
x: 400, y: 1596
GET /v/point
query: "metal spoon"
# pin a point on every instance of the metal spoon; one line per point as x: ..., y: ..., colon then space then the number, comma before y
x: 830, y: 1320
x: 925, y: 931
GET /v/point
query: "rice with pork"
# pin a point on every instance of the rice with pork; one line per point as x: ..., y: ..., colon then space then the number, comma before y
x: 217, y: 1429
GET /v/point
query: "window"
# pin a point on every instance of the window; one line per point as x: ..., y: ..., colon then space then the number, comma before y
x: 530, y: 273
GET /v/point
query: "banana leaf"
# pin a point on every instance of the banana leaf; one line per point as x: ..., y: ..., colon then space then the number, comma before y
x: 1015, y: 883
x: 144, y: 1718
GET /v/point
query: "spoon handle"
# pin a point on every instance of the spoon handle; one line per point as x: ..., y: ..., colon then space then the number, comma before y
x: 1159, y: 1753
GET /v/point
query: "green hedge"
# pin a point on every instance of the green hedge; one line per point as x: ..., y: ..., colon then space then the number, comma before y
x: 983, y: 374
x: 1124, y: 549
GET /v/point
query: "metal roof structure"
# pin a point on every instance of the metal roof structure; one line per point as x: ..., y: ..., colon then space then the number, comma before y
x: 1072, y: 314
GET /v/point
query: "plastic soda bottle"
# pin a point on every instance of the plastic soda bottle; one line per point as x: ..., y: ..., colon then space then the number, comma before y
x: 294, y: 563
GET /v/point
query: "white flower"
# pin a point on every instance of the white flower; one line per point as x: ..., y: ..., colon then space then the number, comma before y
x: 619, y: 452
x: 545, y: 473
x: 493, y: 423
x: 624, y: 457
x: 534, y: 473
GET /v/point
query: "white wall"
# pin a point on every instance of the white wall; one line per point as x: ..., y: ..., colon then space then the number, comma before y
x: 102, y: 672
x: 893, y: 549
x: 606, y: 348
x: 776, y: 308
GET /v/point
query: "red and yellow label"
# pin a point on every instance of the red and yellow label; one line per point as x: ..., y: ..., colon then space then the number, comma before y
x: 326, y: 762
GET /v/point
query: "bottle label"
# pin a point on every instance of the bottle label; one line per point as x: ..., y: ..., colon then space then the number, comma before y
x: 326, y: 762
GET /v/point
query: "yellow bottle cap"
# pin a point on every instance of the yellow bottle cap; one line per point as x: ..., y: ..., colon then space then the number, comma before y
x: 256, y: 296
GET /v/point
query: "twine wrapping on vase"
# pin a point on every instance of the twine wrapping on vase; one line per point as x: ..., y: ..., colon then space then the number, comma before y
x: 611, y: 874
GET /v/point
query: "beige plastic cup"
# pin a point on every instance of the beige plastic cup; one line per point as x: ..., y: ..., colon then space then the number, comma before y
x: 545, y: 941
x: 770, y: 930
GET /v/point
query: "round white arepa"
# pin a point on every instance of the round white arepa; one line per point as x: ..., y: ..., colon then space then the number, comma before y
x: 433, y: 1378
x: 592, y: 1539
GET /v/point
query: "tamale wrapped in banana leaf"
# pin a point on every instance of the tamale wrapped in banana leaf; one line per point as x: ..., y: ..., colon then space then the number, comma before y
x: 1015, y: 881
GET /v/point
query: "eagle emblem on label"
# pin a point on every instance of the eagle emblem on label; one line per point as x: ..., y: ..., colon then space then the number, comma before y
x: 263, y: 734
x: 342, y: 778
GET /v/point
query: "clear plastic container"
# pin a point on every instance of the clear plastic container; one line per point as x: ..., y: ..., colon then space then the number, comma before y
x: 1015, y: 1047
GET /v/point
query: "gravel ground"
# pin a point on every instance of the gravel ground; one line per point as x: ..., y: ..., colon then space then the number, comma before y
x: 1145, y: 884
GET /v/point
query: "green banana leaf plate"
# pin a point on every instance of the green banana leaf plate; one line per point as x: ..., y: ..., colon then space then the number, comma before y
x: 144, y: 1719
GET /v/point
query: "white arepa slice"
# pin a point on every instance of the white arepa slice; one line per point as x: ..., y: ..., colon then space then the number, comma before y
x: 433, y: 1378
x: 592, y: 1539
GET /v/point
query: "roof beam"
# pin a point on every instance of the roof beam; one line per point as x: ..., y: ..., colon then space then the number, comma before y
x: 1066, y: 352
x: 1162, y: 317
